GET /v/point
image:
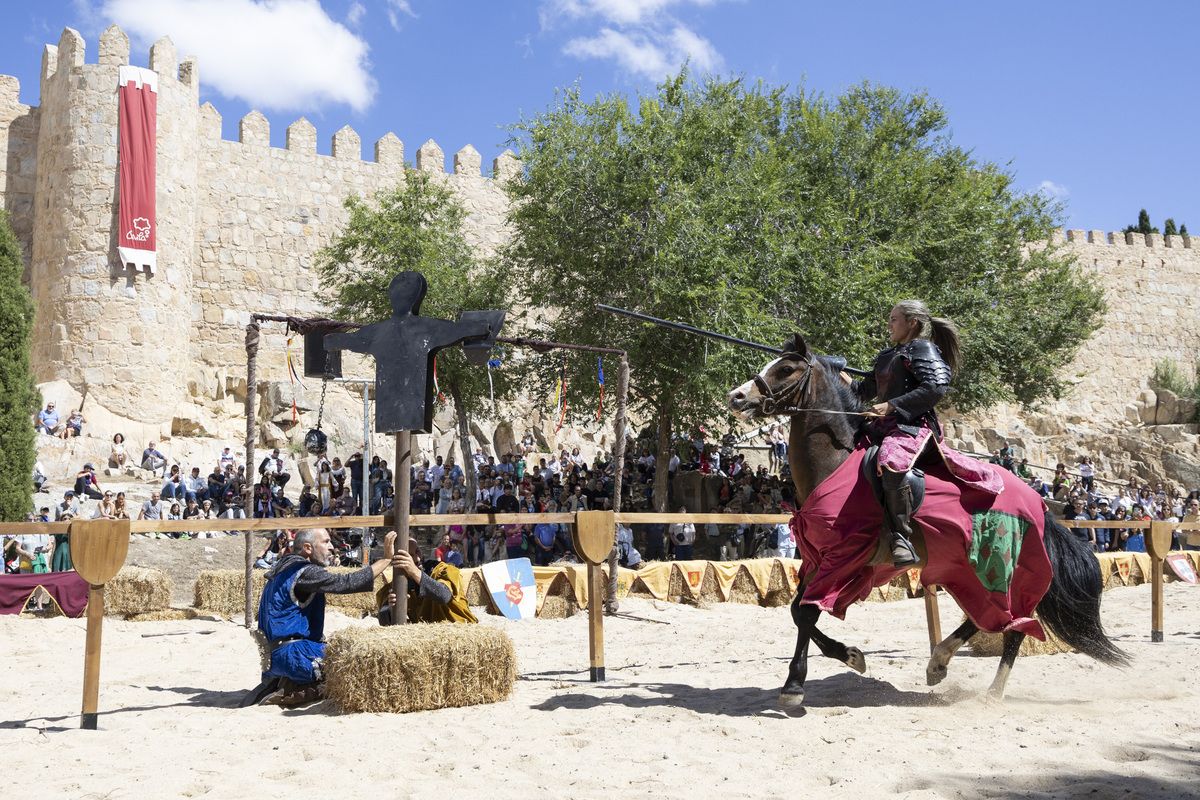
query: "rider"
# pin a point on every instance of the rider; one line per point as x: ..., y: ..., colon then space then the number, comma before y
x: 909, y: 379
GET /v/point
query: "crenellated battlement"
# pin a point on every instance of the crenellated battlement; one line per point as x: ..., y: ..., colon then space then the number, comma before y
x: 1123, y: 239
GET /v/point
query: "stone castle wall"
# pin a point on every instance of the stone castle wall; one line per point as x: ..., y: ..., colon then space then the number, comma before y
x: 240, y: 223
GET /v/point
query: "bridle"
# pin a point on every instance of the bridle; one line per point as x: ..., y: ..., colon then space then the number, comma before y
x: 794, y: 397
x: 788, y: 397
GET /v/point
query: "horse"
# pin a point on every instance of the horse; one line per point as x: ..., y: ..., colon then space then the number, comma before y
x: 826, y: 429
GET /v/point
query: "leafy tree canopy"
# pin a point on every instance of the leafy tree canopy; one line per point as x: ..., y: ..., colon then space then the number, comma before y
x: 755, y: 210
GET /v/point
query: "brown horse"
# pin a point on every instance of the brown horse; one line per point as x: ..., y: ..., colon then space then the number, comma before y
x: 826, y: 423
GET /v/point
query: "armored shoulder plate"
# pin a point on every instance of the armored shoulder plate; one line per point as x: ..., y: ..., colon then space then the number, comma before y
x: 926, y: 362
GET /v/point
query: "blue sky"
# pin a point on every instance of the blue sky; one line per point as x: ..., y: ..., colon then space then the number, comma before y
x: 1094, y: 102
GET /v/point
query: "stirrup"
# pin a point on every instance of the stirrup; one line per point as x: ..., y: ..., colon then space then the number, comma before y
x: 903, y: 554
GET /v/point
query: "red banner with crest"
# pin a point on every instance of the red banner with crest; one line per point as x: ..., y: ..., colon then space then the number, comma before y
x: 137, y: 141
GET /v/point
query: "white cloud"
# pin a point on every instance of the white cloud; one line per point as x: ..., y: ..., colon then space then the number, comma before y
x: 1053, y: 189
x: 641, y: 36
x: 355, y: 14
x: 647, y: 53
x: 395, y: 9
x: 273, y: 54
x: 618, y: 12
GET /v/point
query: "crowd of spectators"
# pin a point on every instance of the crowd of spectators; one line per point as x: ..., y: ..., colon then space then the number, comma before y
x: 1086, y: 497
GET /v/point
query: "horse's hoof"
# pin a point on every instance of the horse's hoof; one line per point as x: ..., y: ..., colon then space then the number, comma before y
x: 791, y: 699
x: 935, y: 674
x: 855, y: 660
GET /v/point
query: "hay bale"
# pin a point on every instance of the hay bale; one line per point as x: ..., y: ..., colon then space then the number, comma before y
x: 779, y: 590
x: 164, y: 615
x: 417, y: 667
x: 743, y: 590
x: 223, y: 591
x: 710, y: 590
x: 639, y: 589
x: 560, y: 601
x: 477, y: 593
x: 137, y: 590
x: 679, y: 591
x: 992, y: 644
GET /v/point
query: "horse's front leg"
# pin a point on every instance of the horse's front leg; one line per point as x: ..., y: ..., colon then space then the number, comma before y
x: 935, y: 671
x: 852, y: 657
x: 805, y: 616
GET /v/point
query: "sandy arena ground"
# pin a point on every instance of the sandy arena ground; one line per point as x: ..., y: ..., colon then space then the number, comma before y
x: 689, y: 712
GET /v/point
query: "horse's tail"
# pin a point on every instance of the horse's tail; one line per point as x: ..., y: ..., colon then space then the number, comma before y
x: 1071, y: 607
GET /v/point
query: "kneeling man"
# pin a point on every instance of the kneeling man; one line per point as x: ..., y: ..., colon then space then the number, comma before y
x: 435, y: 592
x: 291, y: 613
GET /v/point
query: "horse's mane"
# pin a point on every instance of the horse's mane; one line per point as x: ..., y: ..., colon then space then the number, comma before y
x: 844, y: 398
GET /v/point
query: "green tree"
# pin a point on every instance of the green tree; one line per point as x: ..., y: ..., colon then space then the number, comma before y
x: 19, y: 398
x: 658, y: 209
x: 1143, y: 224
x: 755, y: 210
x: 1169, y: 227
x: 1183, y: 230
x: 417, y: 226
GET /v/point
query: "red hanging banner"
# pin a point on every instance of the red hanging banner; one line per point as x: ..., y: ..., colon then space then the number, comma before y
x: 137, y: 140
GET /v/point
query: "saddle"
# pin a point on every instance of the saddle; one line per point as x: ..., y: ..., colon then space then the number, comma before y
x: 915, y: 478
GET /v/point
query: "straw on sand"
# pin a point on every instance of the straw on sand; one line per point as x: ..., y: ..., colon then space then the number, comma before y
x: 164, y: 615
x: 743, y: 589
x: 137, y: 590
x: 416, y: 667
x: 779, y: 591
x: 477, y: 593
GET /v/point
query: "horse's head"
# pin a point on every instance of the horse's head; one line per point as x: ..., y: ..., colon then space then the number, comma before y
x: 779, y: 387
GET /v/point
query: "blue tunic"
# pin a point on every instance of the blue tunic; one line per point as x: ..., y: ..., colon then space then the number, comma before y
x: 281, y: 615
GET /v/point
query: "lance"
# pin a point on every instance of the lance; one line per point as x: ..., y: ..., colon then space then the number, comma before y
x: 720, y: 337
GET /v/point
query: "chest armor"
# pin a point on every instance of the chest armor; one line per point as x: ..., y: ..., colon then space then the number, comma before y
x: 893, y: 378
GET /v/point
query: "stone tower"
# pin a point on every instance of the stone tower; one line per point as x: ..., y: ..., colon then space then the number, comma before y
x: 119, y: 337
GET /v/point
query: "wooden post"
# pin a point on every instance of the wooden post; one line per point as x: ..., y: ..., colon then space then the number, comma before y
x: 400, y: 510
x: 91, y: 658
x: 252, y: 333
x: 1158, y: 544
x: 932, y: 618
x: 596, y: 622
x: 592, y: 534
x: 98, y: 550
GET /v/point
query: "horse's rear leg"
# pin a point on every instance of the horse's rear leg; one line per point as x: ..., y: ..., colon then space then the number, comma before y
x: 852, y: 657
x: 805, y: 617
x: 935, y: 671
x: 1012, y: 646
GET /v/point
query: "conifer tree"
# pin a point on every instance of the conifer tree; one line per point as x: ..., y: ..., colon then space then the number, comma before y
x: 19, y: 398
x: 1169, y: 227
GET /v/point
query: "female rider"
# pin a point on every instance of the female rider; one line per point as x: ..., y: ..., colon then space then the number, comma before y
x: 908, y: 380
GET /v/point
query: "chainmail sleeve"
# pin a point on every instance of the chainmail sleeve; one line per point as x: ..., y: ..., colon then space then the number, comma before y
x: 932, y: 375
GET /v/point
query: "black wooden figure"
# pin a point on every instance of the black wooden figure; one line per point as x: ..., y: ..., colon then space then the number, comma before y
x: 404, y: 347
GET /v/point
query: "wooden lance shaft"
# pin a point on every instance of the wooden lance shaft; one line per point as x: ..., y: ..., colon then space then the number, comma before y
x: 933, y: 619
x: 91, y: 659
x: 400, y: 509
x: 595, y: 622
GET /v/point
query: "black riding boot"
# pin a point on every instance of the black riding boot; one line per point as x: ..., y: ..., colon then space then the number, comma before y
x: 898, y: 502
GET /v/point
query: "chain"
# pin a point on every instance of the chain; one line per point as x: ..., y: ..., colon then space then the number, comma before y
x: 324, y: 388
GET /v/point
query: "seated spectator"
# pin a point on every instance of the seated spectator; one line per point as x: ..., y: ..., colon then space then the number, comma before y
x: 119, y: 509
x: 46, y: 420
x: 235, y: 502
x: 195, y: 486
x: 117, y: 457
x: 67, y: 506
x: 272, y: 465
x: 191, y: 508
x: 216, y: 485
x: 452, y: 556
x: 1024, y: 472
x: 152, y: 509
x: 106, y: 508
x: 173, y: 488
x: 39, y: 477
x: 1191, y: 516
x: 74, y: 426
x: 86, y: 483
x: 153, y: 460
x: 174, y: 512
x: 1060, y: 487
